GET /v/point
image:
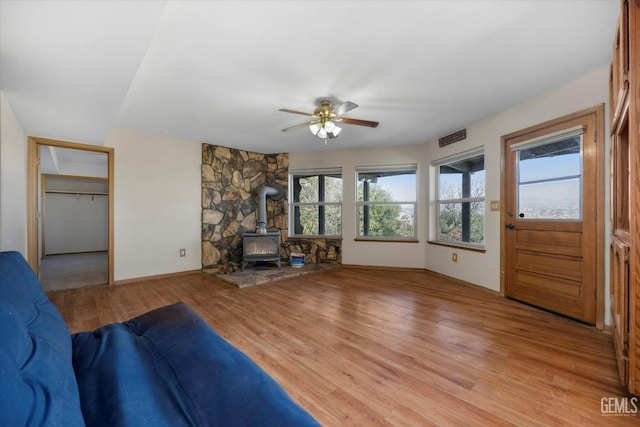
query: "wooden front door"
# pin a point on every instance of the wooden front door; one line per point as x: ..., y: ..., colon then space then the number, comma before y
x: 550, y: 235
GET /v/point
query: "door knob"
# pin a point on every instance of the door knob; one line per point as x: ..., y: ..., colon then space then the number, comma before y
x: 510, y: 226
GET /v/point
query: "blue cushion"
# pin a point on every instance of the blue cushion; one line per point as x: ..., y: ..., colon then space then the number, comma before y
x: 37, y: 381
x: 164, y: 368
x: 169, y: 368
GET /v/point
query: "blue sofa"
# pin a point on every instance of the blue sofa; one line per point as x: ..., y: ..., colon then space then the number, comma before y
x: 164, y: 368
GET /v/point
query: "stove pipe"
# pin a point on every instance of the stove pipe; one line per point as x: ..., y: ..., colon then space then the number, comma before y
x: 275, y: 193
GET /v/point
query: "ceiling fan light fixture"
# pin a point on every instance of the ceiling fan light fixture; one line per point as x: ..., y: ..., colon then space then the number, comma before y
x: 325, y: 130
x: 314, y: 128
x: 329, y: 126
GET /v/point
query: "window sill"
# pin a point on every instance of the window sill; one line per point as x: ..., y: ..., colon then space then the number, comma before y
x: 453, y: 245
x: 313, y: 236
x: 380, y: 239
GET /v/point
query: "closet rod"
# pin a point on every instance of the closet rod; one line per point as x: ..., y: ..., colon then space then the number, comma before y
x: 81, y: 193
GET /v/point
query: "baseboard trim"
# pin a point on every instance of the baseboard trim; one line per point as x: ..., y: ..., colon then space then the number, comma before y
x: 463, y: 282
x: 157, y: 276
x: 380, y: 267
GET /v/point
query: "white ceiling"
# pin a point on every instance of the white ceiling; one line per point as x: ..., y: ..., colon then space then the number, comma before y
x: 218, y: 71
x: 67, y: 161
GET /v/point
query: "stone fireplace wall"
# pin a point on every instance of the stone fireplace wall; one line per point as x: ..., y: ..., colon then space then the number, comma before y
x: 230, y: 180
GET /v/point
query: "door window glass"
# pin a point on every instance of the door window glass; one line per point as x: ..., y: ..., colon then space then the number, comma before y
x: 550, y: 180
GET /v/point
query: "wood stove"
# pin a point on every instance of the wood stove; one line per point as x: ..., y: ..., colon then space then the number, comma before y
x: 261, y: 247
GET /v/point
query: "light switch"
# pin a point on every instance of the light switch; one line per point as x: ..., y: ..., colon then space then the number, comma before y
x: 495, y: 205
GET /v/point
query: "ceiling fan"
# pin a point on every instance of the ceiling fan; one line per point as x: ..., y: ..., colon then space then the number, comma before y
x: 322, y: 121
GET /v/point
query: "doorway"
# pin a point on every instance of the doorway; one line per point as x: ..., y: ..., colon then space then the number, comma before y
x: 70, y: 213
x: 553, y: 235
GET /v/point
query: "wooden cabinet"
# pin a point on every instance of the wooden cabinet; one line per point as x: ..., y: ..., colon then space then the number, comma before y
x: 624, y: 99
x: 620, y: 305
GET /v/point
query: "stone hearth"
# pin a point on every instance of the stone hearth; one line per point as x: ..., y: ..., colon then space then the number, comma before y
x: 264, y: 273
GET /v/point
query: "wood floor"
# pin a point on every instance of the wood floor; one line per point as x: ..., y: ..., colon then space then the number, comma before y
x: 359, y: 347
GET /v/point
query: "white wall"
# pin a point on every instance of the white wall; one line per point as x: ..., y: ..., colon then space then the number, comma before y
x: 13, y: 181
x: 157, y: 204
x: 75, y: 222
x: 479, y: 268
x: 84, y: 169
x: 484, y: 268
x: 157, y: 198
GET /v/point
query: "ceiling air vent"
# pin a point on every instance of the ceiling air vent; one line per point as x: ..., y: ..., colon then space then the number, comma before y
x: 451, y: 138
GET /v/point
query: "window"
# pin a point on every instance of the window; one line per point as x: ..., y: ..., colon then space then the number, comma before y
x: 460, y: 199
x: 316, y: 203
x: 386, y: 202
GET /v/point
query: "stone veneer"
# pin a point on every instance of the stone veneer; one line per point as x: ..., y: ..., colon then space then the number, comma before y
x: 317, y: 250
x: 230, y: 180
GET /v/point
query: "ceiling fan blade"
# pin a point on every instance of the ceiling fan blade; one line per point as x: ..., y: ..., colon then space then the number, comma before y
x: 340, y: 109
x: 286, y: 110
x: 358, y: 122
x: 300, y: 125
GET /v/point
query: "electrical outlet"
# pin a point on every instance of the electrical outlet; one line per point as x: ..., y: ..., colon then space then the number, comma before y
x: 183, y: 253
x: 454, y: 257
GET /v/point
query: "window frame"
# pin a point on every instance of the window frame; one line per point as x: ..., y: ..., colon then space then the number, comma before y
x: 321, y: 203
x: 439, y: 202
x: 412, y: 168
